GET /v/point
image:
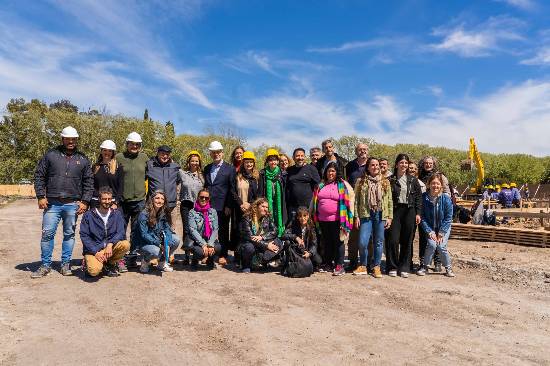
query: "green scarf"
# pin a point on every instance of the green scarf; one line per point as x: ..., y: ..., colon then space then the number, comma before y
x: 272, y: 179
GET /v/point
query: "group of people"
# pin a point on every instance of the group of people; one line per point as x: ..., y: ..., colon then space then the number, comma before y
x: 508, y: 195
x: 315, y: 207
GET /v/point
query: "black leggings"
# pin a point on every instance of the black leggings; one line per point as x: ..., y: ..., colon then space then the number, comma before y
x: 401, y: 235
x: 333, y: 247
x: 248, y: 250
x: 185, y: 207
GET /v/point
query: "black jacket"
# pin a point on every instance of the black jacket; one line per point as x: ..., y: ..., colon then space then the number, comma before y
x: 221, y: 189
x: 340, y: 164
x: 267, y: 227
x: 310, y: 239
x: 103, y: 178
x: 354, y: 171
x: 301, y: 181
x: 262, y: 182
x: 64, y: 176
x: 165, y: 177
x: 252, y: 190
x: 414, y: 193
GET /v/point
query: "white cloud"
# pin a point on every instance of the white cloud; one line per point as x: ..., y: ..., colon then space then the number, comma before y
x: 374, y: 43
x: 515, y: 118
x: 541, y: 58
x: 125, y: 29
x: 521, y: 4
x: 481, y: 40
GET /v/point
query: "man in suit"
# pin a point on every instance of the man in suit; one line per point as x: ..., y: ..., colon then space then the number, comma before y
x: 219, y: 177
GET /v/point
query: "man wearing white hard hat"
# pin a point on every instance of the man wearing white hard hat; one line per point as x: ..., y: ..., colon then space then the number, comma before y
x: 64, y: 185
x: 219, y: 177
x: 107, y: 173
x: 133, y: 162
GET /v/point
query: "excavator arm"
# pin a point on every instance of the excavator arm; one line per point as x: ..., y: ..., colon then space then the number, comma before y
x: 475, y: 157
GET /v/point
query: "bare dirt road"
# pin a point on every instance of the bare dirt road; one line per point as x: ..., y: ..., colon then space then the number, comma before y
x: 496, y: 311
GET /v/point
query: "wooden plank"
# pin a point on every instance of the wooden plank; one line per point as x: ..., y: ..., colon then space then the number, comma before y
x: 516, y: 236
x: 526, y: 215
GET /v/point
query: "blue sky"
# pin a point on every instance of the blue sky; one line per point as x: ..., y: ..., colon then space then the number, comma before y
x: 295, y: 72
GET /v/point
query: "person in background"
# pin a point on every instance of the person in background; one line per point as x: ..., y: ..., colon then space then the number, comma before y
x: 506, y: 196
x: 495, y: 193
x: 515, y: 193
x: 302, y: 233
x: 355, y: 170
x: 237, y: 157
x: 134, y: 163
x: 163, y: 174
x: 526, y: 193
x: 103, y: 236
x: 107, y: 173
x: 437, y: 216
x: 332, y: 207
x: 219, y: 179
x: 64, y: 185
x: 154, y: 230
x: 203, y: 230
x: 284, y: 161
x: 258, y: 237
x: 192, y: 181
x: 488, y: 192
x: 407, y: 208
x: 246, y: 188
x: 373, y: 213
x: 315, y: 154
x: 384, y: 167
x: 302, y: 178
x: 331, y: 156
x: 413, y: 170
x: 272, y: 186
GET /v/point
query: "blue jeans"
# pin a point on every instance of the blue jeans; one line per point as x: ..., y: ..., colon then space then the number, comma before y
x: 369, y: 226
x: 152, y: 251
x: 432, y: 246
x: 55, y: 212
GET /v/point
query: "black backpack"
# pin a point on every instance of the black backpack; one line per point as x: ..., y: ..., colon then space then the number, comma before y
x: 294, y: 264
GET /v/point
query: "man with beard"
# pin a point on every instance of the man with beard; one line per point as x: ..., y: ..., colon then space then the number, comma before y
x: 301, y: 180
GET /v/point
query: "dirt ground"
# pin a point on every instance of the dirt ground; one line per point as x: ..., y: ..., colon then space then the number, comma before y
x: 496, y: 311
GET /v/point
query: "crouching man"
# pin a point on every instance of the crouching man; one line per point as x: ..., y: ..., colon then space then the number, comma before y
x: 103, y: 236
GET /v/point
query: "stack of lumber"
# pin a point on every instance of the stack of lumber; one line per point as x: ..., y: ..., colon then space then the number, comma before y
x: 538, y: 238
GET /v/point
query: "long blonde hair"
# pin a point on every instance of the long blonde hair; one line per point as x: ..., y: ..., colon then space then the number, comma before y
x: 112, y: 164
x: 252, y: 211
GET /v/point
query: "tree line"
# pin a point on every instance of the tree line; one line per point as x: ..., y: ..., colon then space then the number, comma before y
x: 28, y: 129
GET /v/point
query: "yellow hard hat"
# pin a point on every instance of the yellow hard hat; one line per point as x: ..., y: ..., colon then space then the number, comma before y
x: 249, y: 155
x: 490, y: 186
x: 194, y: 152
x: 513, y: 185
x: 497, y: 186
x: 473, y: 190
x: 271, y: 152
x: 505, y: 185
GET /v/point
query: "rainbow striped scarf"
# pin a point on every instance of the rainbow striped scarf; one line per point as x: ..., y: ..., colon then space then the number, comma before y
x: 345, y: 213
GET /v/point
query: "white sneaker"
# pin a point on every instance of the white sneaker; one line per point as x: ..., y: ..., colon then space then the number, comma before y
x: 144, y: 268
x: 405, y: 274
x: 165, y: 267
x: 392, y: 273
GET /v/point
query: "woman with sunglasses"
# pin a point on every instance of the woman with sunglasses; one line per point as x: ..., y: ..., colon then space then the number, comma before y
x: 203, y: 230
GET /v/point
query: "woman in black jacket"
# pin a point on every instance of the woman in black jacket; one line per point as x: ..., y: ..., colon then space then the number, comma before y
x: 407, y: 207
x: 302, y: 233
x: 258, y: 236
x: 107, y: 173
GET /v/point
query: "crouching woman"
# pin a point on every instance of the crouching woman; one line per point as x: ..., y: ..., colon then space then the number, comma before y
x: 203, y: 230
x: 154, y: 229
x: 103, y: 236
x: 258, y: 236
x: 437, y: 215
x: 301, y: 233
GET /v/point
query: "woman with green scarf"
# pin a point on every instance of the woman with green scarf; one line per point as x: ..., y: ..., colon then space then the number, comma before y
x: 272, y: 185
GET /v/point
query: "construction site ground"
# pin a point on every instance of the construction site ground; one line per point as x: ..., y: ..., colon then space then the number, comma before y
x: 496, y: 311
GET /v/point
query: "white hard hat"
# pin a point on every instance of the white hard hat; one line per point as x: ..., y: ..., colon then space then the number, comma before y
x: 108, y: 144
x: 134, y: 137
x: 69, y: 132
x: 215, y: 146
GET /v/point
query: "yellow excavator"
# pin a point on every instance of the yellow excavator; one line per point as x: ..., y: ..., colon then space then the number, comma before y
x: 474, y: 159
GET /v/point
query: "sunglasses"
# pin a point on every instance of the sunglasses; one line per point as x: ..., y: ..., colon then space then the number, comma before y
x: 206, y: 198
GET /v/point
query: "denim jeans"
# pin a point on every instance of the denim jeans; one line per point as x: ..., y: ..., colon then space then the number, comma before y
x: 55, y: 212
x: 131, y: 210
x: 152, y: 251
x: 431, y: 248
x: 374, y: 225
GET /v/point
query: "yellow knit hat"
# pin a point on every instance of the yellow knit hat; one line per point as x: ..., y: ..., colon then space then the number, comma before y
x: 194, y: 152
